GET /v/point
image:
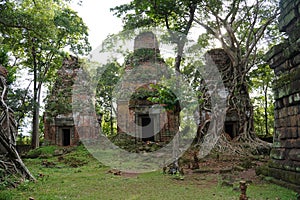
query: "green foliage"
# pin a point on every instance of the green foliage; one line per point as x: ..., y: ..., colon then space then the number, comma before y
x: 46, y: 150
x: 157, y: 13
x: 145, y: 94
x: 78, y: 157
x: 261, y: 79
x: 38, y: 33
x: 6, y: 181
x: 108, y: 76
x: 60, y: 105
x: 142, y: 55
x: 165, y: 97
x: 106, y: 125
x: 23, y: 140
x: 107, y: 79
x: 18, y: 98
x: 59, y: 98
x: 6, y: 195
x: 4, y: 61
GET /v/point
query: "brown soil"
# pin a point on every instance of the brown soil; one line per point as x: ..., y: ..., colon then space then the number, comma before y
x: 227, y: 171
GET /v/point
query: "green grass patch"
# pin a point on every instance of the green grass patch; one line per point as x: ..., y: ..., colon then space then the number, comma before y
x: 92, y: 181
x: 44, y: 151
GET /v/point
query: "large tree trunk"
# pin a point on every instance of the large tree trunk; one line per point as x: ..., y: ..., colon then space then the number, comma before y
x: 239, y: 104
x: 10, y: 160
x: 246, y: 142
x: 239, y: 100
x: 35, y: 116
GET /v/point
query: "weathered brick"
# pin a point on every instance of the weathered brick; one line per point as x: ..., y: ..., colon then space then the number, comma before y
x: 293, y: 120
x: 276, y: 143
x: 287, y: 122
x: 276, y: 123
x: 281, y: 113
x: 294, y: 132
x: 285, y: 101
x: 280, y: 122
x: 294, y: 154
x: 287, y: 133
x: 290, y: 143
x: 285, y: 60
x: 292, y: 110
x: 276, y: 114
x: 285, y: 112
x: 278, y: 164
x: 283, y: 135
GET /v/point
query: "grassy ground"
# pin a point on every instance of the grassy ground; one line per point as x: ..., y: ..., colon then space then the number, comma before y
x: 77, y: 175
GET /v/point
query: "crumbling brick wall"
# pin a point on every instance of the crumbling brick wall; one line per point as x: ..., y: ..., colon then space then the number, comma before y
x: 284, y: 58
x: 144, y: 69
x: 58, y: 115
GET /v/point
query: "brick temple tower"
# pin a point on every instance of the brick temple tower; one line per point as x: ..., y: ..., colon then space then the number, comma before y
x: 137, y: 116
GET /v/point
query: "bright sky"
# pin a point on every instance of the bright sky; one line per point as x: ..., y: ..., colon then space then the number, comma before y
x: 97, y: 16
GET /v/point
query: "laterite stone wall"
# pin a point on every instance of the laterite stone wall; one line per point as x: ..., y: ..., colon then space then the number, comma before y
x: 284, y: 58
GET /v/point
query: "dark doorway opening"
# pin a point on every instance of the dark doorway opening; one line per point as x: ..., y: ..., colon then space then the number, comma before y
x: 147, y: 129
x: 66, y: 133
x: 229, y: 129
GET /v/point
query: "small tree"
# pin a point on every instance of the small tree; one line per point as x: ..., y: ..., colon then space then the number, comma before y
x: 260, y: 84
x: 104, y: 93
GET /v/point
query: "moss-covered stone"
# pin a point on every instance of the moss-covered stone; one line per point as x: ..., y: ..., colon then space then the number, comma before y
x: 277, y: 154
x: 262, y: 170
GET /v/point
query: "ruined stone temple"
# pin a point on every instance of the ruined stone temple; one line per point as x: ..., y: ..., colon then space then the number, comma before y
x: 138, y: 117
x: 222, y: 61
x: 284, y: 58
x: 59, y: 128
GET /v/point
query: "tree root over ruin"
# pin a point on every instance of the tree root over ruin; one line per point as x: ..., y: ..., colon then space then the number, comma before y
x: 10, y: 162
x: 242, y: 145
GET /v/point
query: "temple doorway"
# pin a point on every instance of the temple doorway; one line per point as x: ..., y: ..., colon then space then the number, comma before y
x: 147, y: 128
x: 66, y: 137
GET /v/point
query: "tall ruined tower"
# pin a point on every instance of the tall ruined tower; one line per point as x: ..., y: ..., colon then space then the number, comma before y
x: 59, y: 125
x: 136, y: 115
